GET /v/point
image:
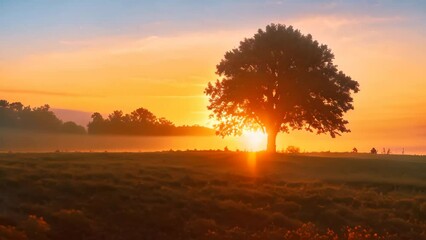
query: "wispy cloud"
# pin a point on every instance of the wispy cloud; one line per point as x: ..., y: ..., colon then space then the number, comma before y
x: 337, y: 21
x: 75, y: 43
x: 177, y: 96
x: 120, y: 45
x: 48, y: 93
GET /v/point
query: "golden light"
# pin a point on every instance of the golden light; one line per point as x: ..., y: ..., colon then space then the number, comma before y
x: 251, y: 162
x: 254, y: 140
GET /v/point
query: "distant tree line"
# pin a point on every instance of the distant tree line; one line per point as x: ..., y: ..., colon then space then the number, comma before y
x: 141, y: 122
x: 16, y: 115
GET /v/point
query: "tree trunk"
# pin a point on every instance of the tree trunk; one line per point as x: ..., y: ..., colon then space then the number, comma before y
x: 271, y: 147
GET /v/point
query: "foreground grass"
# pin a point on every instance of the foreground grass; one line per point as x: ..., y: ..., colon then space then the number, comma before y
x: 211, y: 195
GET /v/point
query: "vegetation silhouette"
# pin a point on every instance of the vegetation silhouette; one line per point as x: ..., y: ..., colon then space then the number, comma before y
x: 141, y: 122
x: 280, y: 80
x: 292, y: 149
x: 16, y: 115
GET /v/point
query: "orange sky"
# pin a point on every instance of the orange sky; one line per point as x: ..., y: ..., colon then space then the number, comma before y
x: 168, y: 73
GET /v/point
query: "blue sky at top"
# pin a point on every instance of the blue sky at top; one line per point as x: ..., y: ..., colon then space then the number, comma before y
x: 34, y: 25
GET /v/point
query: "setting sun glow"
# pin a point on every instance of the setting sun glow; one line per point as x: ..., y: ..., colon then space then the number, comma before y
x: 254, y: 140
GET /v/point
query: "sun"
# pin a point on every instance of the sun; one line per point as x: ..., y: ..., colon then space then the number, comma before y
x: 254, y: 140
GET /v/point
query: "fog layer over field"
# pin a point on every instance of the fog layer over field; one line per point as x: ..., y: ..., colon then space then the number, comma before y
x: 27, y: 141
x: 32, y: 141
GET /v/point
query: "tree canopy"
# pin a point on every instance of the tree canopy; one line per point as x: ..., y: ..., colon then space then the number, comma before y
x: 16, y: 115
x: 140, y: 122
x: 280, y: 80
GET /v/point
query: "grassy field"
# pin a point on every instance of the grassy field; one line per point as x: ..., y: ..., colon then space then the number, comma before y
x: 211, y: 195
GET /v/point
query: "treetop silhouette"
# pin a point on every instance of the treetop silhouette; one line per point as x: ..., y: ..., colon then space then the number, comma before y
x: 141, y: 122
x: 16, y: 115
x: 280, y: 80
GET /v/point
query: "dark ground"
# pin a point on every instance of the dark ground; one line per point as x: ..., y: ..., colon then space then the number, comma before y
x: 211, y: 195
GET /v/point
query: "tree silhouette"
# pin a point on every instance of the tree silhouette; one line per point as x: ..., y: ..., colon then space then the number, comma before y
x: 164, y: 122
x: 280, y: 80
x: 97, y: 125
x: 142, y: 115
x: 15, y: 115
x: 140, y: 122
x: 72, y: 127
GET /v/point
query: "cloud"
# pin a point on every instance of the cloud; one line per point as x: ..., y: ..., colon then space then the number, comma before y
x: 75, y: 43
x: 177, y: 96
x: 336, y: 21
x: 49, y: 93
x: 172, y: 46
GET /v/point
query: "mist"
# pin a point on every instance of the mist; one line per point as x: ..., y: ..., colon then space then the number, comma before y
x: 17, y: 140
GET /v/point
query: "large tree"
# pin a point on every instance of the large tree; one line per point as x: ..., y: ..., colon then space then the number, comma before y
x: 280, y: 80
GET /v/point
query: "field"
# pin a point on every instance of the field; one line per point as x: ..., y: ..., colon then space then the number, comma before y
x: 211, y: 195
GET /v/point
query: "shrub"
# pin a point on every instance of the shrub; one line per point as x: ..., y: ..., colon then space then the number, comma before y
x: 72, y: 223
x: 201, y: 227
x: 292, y: 149
x: 35, y: 228
x: 11, y: 233
x: 311, y: 232
x: 362, y: 233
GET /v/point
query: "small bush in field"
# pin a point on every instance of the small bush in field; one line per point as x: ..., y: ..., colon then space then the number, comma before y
x: 72, y: 223
x: 292, y: 149
x: 198, y: 228
x: 35, y: 227
x: 311, y: 232
x: 361, y: 233
x: 11, y: 233
x: 422, y: 210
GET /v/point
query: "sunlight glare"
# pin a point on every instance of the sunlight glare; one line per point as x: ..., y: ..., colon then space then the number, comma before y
x: 254, y: 140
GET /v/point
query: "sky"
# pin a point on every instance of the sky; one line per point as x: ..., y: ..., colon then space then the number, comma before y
x: 100, y: 56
